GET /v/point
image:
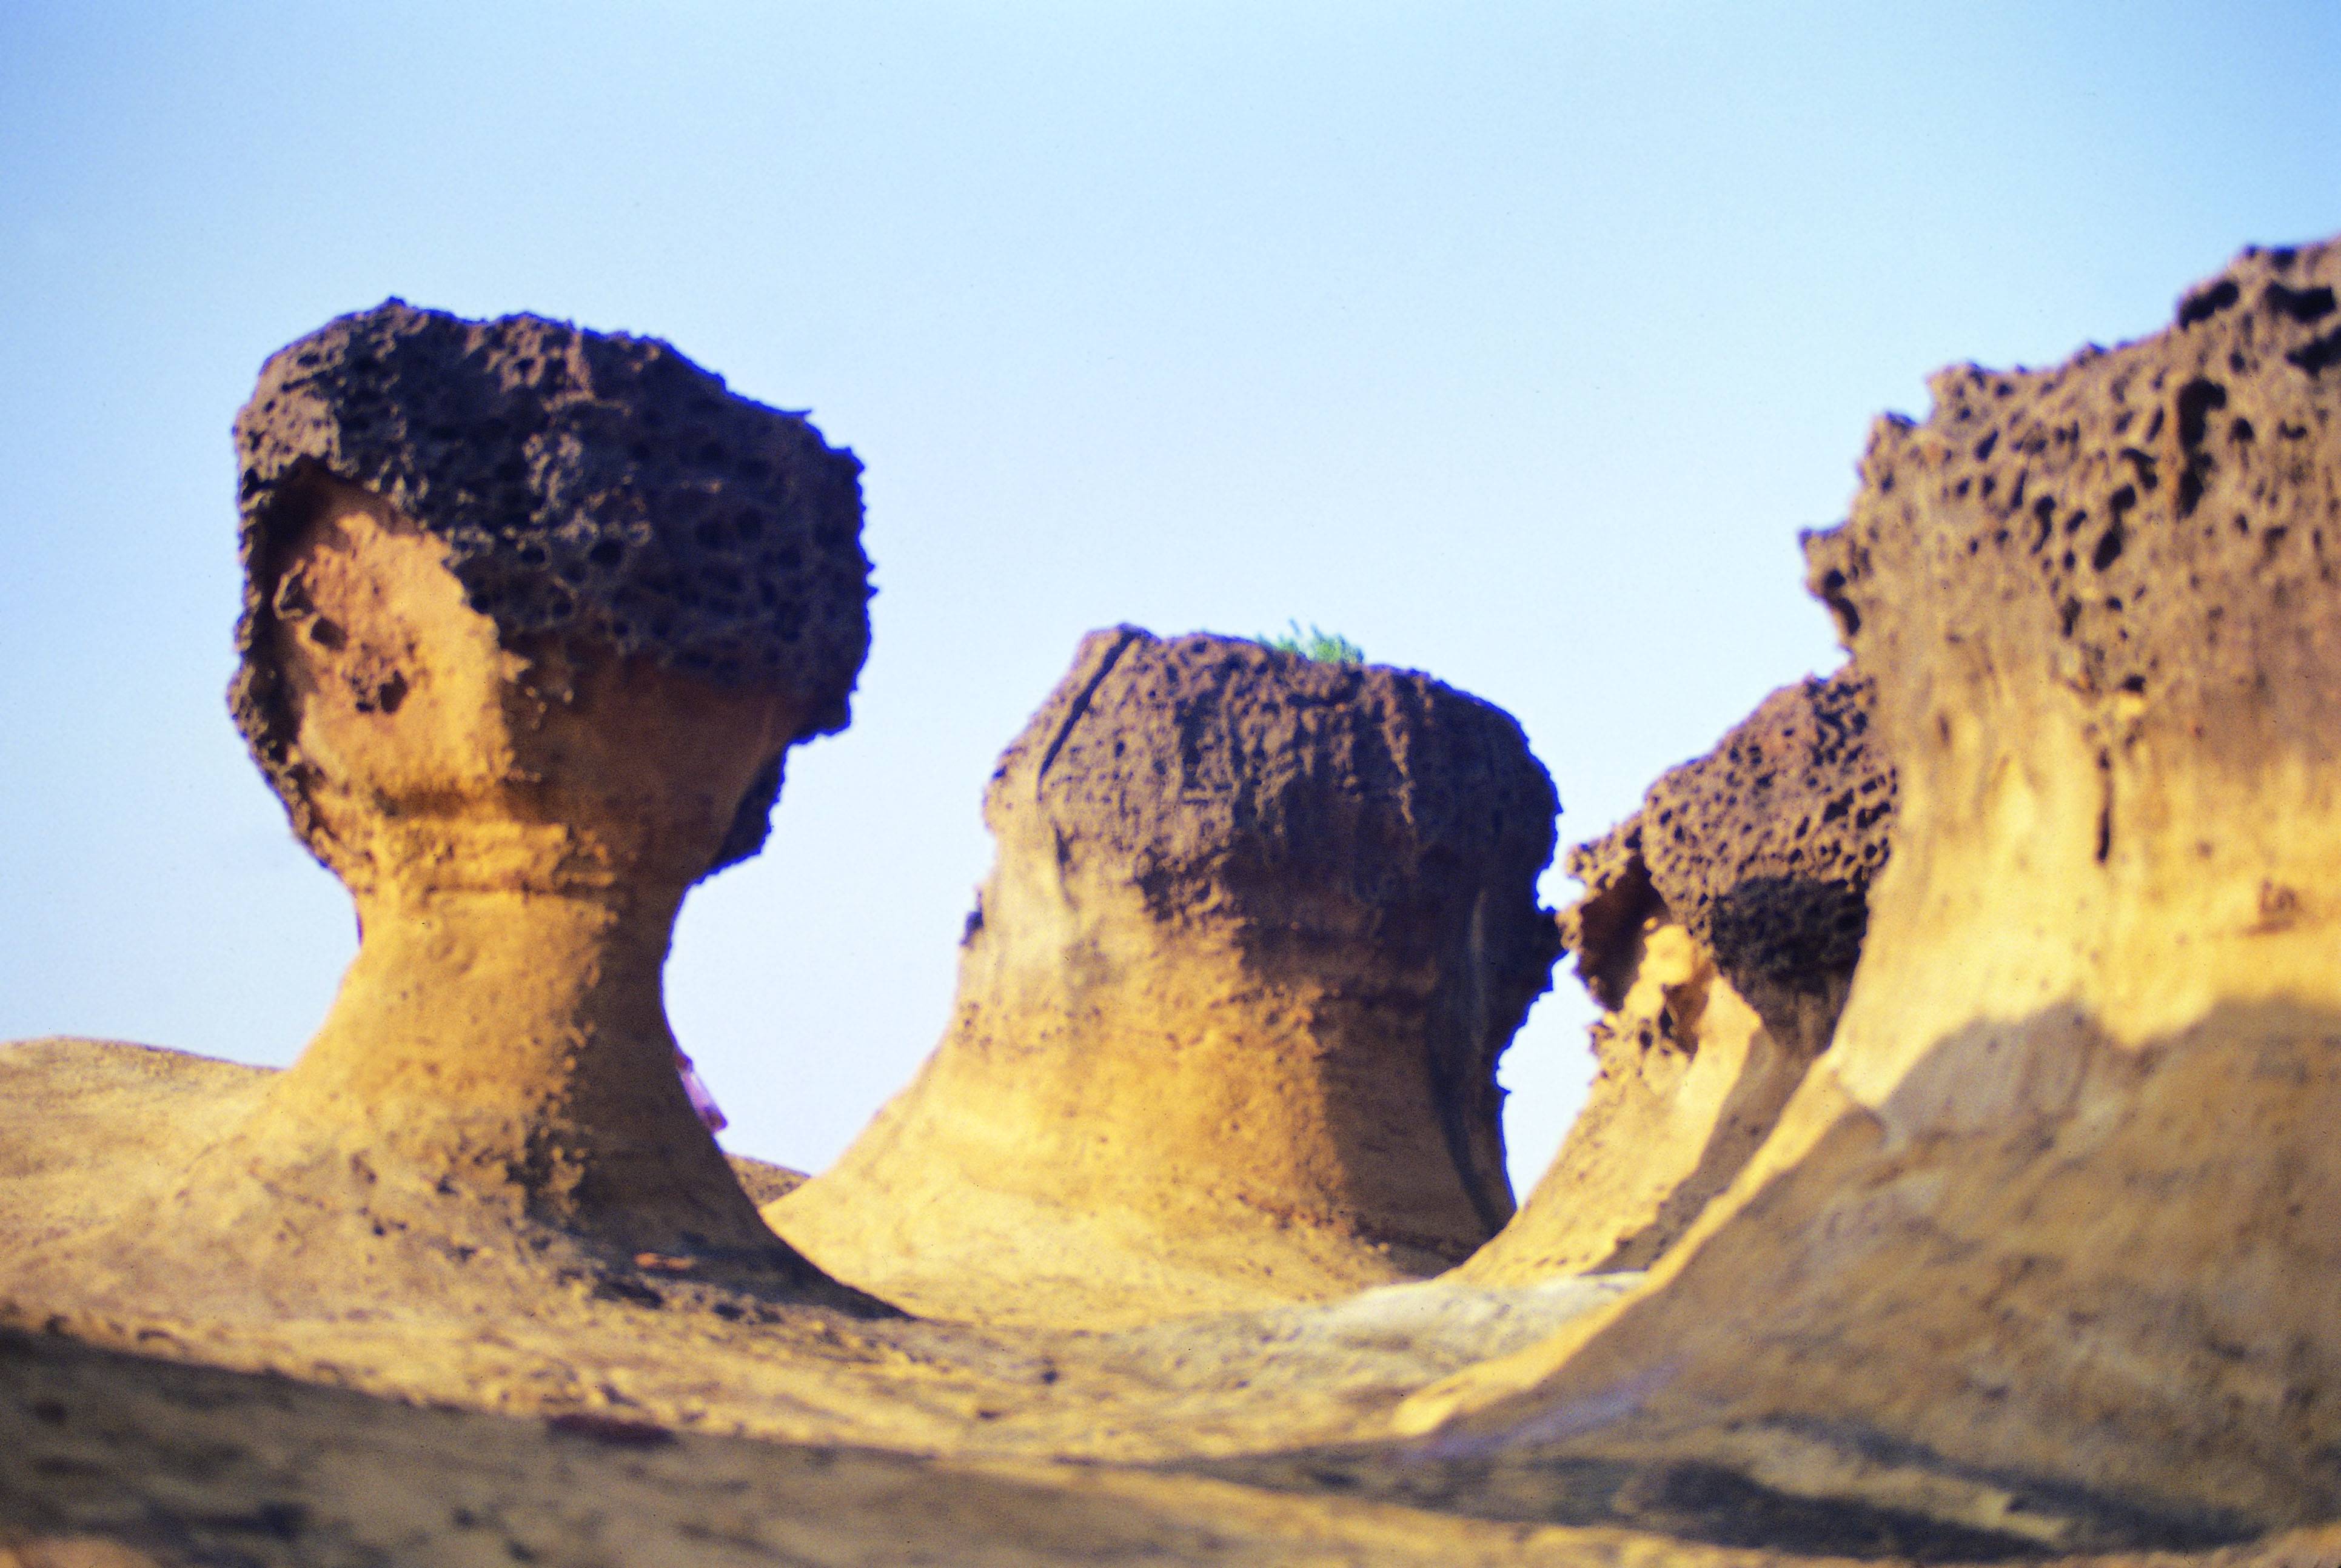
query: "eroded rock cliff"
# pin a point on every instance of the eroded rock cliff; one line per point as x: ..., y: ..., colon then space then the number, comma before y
x: 2049, y: 1238
x: 1230, y: 1005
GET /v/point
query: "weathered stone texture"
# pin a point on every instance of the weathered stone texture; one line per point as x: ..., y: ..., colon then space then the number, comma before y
x: 1231, y: 1005
x: 591, y: 486
x: 2048, y: 1235
x: 2152, y: 530
x: 1765, y: 848
x: 1718, y: 930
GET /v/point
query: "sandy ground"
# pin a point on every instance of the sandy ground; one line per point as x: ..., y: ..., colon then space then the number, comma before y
x: 115, y: 1461
x: 186, y: 1415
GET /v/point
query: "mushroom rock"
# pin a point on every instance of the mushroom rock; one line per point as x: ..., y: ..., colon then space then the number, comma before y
x: 2048, y: 1239
x: 1718, y: 932
x: 532, y: 616
x: 1230, y: 1004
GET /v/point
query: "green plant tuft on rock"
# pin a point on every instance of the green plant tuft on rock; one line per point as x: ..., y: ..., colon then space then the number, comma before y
x: 1325, y: 647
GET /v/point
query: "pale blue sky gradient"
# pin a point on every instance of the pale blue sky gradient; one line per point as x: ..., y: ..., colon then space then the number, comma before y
x: 1515, y: 342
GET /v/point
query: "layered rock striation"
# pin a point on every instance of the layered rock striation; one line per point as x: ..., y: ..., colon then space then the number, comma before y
x: 1718, y: 930
x: 1230, y: 1004
x: 2048, y: 1238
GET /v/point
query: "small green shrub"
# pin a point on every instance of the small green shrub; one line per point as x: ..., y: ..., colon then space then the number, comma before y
x: 1325, y: 647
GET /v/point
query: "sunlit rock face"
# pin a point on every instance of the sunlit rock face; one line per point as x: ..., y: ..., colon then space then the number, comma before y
x: 1718, y: 932
x: 532, y: 618
x: 1230, y: 1005
x: 2052, y: 1232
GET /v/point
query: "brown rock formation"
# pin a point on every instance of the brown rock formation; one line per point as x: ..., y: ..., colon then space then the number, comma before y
x: 2039, y: 1258
x: 1718, y: 930
x: 2050, y: 1235
x: 1230, y: 1003
x: 532, y: 618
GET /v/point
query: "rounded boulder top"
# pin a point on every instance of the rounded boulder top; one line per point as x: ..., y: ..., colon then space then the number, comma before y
x: 1765, y: 847
x: 1204, y: 762
x: 585, y: 486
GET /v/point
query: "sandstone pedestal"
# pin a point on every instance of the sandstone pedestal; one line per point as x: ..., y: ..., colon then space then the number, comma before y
x: 1229, y: 1006
x: 533, y: 616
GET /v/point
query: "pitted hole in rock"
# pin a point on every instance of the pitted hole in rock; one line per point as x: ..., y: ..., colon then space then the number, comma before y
x: 2301, y: 305
x: 2109, y: 547
x: 2317, y: 353
x: 610, y: 1431
x: 2205, y: 304
x: 2194, y: 404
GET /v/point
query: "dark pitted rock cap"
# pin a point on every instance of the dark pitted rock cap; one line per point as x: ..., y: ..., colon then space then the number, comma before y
x: 1237, y: 778
x: 1763, y: 849
x: 1378, y: 831
x: 2156, y: 529
x: 588, y: 485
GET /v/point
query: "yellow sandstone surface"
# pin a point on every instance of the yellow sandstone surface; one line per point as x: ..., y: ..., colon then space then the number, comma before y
x: 123, y: 1463
x: 2034, y: 1264
x: 1719, y: 930
x: 1229, y: 1006
x: 2051, y: 1231
x: 1689, y: 1083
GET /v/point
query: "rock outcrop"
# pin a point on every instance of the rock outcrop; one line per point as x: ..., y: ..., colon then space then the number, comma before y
x: 1230, y: 1005
x: 533, y: 616
x: 2049, y: 1238
x: 1718, y: 930
x: 2037, y: 1261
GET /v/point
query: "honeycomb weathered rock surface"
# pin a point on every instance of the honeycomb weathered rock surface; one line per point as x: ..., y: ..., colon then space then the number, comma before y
x: 585, y: 486
x: 1718, y: 930
x: 1230, y: 1007
x: 2051, y: 1227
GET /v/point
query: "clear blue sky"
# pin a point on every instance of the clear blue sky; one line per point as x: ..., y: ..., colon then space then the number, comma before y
x: 1517, y: 342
